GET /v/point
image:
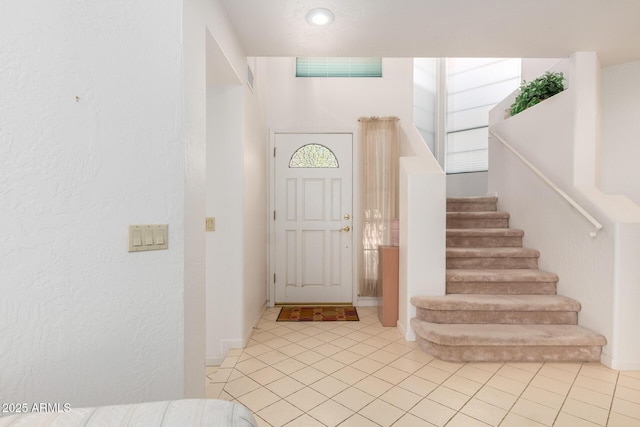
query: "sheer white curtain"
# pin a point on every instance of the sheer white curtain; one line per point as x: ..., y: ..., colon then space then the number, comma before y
x: 379, y: 159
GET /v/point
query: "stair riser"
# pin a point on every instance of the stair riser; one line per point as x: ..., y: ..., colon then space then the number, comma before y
x: 492, y: 263
x: 477, y: 223
x: 502, y: 317
x: 471, y: 207
x: 483, y: 242
x: 511, y: 353
x: 501, y: 288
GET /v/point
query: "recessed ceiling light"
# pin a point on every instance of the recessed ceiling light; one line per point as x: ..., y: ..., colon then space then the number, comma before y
x: 320, y: 16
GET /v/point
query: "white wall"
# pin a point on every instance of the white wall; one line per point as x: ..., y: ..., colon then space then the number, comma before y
x: 256, y: 195
x: 236, y: 251
x: 621, y: 130
x: 532, y: 68
x: 214, y: 56
x: 336, y: 103
x: 425, y: 86
x: 224, y: 246
x: 619, y: 174
x: 472, y: 184
x: 550, y: 147
x: 91, y: 126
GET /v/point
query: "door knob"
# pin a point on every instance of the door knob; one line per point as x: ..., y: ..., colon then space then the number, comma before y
x: 346, y: 228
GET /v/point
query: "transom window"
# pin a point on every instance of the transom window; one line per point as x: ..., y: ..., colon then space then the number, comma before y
x: 313, y: 156
x: 338, y: 67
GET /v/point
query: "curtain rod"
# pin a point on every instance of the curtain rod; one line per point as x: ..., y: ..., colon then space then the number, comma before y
x: 371, y: 119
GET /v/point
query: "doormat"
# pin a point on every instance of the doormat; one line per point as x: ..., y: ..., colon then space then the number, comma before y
x: 317, y: 313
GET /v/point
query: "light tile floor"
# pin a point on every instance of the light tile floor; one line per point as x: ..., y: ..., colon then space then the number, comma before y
x: 363, y: 374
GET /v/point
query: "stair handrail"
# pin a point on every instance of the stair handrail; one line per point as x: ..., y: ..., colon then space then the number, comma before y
x: 557, y: 189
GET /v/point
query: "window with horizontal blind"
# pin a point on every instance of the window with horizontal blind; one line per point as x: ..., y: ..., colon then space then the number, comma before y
x: 474, y: 86
x: 338, y: 67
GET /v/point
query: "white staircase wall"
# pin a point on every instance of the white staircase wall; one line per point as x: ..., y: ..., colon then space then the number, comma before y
x: 422, y: 226
x: 597, y: 271
x: 473, y: 184
x: 620, y: 129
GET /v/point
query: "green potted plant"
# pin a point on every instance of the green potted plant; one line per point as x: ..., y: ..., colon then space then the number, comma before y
x: 537, y: 90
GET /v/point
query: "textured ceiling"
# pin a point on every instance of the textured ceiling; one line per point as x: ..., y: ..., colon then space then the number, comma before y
x: 439, y: 28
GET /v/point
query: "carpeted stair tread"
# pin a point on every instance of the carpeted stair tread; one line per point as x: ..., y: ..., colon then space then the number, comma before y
x: 476, y: 199
x: 473, y: 302
x: 484, y: 232
x: 474, y: 219
x: 491, y: 258
x: 505, y: 275
x: 506, y: 335
x: 484, y: 237
x: 502, y: 288
x: 492, y: 253
x: 478, y: 215
x: 467, y: 204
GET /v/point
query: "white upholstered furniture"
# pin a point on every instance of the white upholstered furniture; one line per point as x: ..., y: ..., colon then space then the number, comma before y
x: 176, y: 413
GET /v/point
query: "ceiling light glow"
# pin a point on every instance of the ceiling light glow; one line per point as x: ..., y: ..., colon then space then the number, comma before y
x: 320, y: 16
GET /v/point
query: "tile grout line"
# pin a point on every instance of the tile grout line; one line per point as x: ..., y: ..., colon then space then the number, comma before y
x: 474, y: 395
x: 564, y: 401
x: 520, y: 395
x: 615, y: 390
x: 483, y: 385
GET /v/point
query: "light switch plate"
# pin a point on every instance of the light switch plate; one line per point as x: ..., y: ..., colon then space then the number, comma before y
x: 210, y: 224
x: 148, y: 237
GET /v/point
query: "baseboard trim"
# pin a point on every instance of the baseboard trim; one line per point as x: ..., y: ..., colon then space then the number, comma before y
x: 216, y: 361
x: 408, y: 335
x: 368, y: 302
x: 619, y: 365
x: 605, y: 359
x: 247, y: 336
x: 226, y: 345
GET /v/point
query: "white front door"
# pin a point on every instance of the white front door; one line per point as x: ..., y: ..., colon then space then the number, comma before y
x: 313, y: 218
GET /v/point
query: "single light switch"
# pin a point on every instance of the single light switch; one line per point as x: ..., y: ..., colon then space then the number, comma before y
x: 148, y: 237
x: 137, y: 238
x: 210, y: 224
x: 158, y: 237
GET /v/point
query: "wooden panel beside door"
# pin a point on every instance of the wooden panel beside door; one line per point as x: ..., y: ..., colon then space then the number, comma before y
x: 388, y: 257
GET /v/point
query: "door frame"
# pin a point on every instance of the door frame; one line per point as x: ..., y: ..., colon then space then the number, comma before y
x: 271, y: 203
